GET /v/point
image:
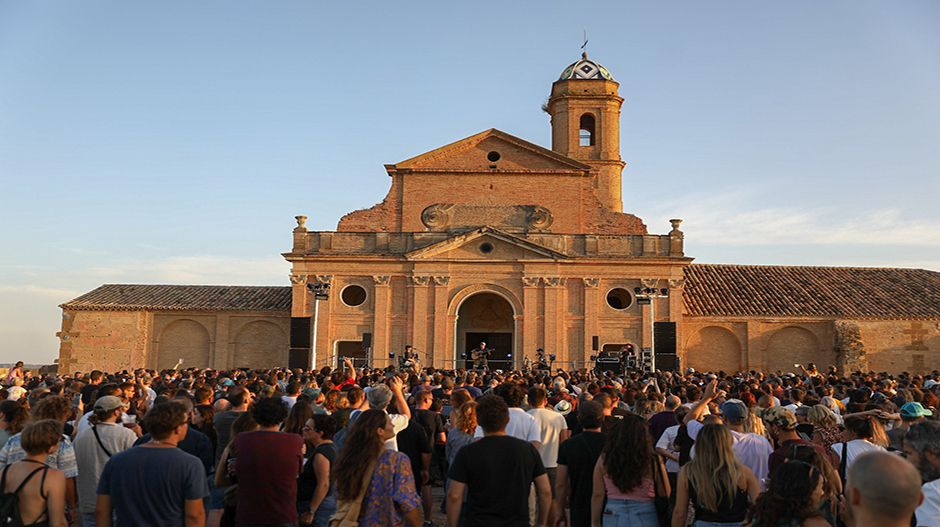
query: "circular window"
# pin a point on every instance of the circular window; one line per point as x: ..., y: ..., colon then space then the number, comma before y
x: 493, y: 156
x: 486, y: 248
x: 353, y: 295
x: 619, y: 298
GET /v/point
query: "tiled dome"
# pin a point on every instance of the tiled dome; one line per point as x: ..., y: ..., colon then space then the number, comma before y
x: 585, y: 69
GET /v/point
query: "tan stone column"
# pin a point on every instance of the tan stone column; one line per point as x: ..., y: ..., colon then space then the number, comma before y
x: 439, y: 345
x: 530, y: 313
x: 554, y: 316
x: 298, y: 295
x: 419, y: 314
x: 591, y: 304
x: 380, y: 319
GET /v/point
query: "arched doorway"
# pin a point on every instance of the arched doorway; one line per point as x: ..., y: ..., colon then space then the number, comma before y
x: 486, y: 317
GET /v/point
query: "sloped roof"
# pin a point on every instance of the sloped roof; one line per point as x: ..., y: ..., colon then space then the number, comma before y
x: 829, y: 292
x: 184, y: 297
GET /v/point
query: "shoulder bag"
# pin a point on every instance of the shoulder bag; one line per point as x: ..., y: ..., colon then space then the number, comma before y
x: 347, y: 511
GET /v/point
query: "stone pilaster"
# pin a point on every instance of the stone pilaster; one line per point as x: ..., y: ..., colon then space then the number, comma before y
x: 591, y: 305
x: 530, y: 322
x: 380, y: 317
x: 419, y: 314
x: 440, y: 346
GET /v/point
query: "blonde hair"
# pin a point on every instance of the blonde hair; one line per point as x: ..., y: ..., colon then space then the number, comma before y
x: 821, y: 416
x: 755, y: 425
x: 465, y: 417
x: 715, y: 469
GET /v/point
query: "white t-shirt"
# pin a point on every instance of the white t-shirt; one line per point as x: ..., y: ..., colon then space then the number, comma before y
x: 551, y: 424
x: 856, y: 447
x: 399, y: 423
x: 928, y: 514
x: 667, y: 442
x: 521, y: 425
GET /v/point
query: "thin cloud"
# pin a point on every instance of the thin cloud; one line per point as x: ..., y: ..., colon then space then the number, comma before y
x: 728, y: 219
x: 200, y: 269
x: 36, y: 290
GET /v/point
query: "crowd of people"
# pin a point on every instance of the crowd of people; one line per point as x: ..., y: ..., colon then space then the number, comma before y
x: 366, y: 446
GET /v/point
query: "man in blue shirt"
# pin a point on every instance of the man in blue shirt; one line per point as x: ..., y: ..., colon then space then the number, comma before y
x: 155, y: 484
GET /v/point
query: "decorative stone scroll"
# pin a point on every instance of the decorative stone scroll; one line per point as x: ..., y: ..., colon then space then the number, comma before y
x: 325, y: 278
x: 437, y: 216
x: 528, y: 281
x: 591, y: 282
x: 500, y: 214
x: 441, y: 280
x: 676, y: 284
x: 555, y: 281
x: 298, y: 278
x: 649, y: 282
x: 420, y: 280
x: 381, y: 280
x: 540, y: 218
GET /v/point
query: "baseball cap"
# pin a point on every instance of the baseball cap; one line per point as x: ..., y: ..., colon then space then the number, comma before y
x: 914, y: 409
x: 780, y: 417
x: 108, y: 403
x: 734, y: 410
x: 591, y: 410
x: 930, y: 383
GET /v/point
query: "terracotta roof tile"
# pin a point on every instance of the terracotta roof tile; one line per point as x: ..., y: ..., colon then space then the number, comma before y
x: 830, y: 292
x: 184, y: 297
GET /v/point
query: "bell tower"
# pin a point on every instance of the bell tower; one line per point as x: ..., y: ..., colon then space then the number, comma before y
x: 585, y: 110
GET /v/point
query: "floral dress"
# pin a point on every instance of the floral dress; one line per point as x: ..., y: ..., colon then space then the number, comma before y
x: 391, y: 492
x: 830, y: 436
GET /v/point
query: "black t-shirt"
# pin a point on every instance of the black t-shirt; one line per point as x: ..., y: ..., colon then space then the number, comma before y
x: 431, y: 422
x: 580, y: 454
x: 498, y: 471
x: 87, y: 391
x: 307, y: 482
x: 413, y: 441
x: 438, y: 393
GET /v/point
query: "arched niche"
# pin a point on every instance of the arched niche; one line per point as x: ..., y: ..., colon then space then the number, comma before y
x: 794, y: 345
x: 183, y: 339
x: 713, y: 348
x: 260, y: 344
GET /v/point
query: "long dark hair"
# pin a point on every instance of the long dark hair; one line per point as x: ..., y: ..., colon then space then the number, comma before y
x: 788, y: 497
x: 628, y: 452
x: 363, y: 444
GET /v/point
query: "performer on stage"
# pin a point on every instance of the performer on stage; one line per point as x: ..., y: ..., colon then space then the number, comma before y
x: 479, y: 355
x: 541, y: 362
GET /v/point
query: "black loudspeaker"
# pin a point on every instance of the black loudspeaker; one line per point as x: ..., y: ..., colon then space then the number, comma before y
x: 367, y: 340
x: 300, y: 332
x: 667, y: 362
x: 299, y: 358
x: 665, y: 335
x: 594, y: 342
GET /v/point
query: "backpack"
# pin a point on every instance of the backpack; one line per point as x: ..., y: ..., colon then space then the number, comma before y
x: 10, y: 501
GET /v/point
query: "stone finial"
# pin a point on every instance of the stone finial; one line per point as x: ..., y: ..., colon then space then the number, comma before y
x: 675, y: 227
x: 301, y: 221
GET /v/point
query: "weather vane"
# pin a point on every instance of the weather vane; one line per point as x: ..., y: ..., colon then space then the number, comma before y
x: 584, y: 46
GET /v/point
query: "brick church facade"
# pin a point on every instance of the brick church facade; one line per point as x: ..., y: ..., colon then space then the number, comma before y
x: 493, y: 238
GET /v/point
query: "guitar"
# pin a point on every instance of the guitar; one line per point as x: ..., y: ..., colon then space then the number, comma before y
x: 477, y: 353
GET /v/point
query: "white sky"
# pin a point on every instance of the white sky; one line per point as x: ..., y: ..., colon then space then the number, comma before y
x: 174, y: 142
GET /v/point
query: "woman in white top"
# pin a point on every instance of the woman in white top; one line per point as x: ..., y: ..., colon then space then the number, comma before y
x: 858, y: 438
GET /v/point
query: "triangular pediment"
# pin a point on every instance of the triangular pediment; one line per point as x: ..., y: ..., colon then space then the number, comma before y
x: 491, y: 150
x: 473, y: 246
